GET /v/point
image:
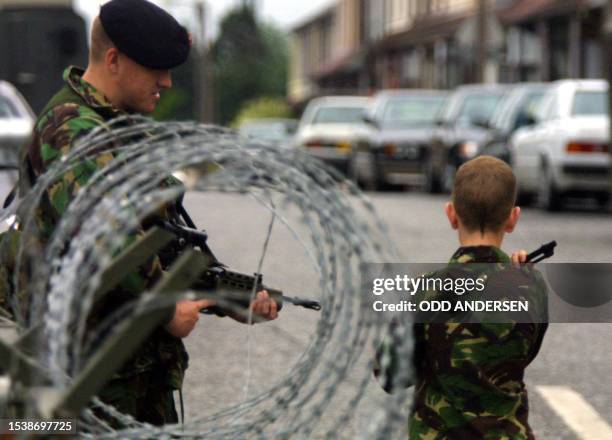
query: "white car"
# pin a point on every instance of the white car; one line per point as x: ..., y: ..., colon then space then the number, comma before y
x: 565, y: 152
x: 274, y: 130
x: 16, y: 123
x: 331, y: 127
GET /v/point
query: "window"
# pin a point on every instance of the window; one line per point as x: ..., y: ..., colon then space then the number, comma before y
x: 543, y: 109
x: 527, y: 108
x: 338, y: 115
x: 477, y: 108
x: 590, y: 104
x: 414, y: 110
x: 8, y: 109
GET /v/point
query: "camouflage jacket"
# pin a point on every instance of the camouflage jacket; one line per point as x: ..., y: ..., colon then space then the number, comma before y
x: 469, y: 376
x: 75, y: 110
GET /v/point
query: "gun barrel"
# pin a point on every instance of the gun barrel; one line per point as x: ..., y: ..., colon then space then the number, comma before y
x: 306, y: 303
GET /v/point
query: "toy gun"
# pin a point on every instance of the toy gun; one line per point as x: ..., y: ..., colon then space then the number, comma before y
x: 231, y: 290
x: 545, y: 251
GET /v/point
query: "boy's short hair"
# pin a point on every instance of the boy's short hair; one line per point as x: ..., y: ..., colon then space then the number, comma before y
x: 484, y: 194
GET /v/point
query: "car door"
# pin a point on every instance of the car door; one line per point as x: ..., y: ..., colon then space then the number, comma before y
x: 529, y: 144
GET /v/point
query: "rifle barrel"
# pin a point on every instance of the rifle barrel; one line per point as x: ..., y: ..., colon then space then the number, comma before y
x: 306, y: 303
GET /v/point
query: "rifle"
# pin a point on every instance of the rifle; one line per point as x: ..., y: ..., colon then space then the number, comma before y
x: 232, y: 290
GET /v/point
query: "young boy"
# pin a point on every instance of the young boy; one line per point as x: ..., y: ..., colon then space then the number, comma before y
x: 469, y: 376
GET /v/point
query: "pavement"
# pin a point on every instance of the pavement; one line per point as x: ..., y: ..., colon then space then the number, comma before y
x: 569, y: 383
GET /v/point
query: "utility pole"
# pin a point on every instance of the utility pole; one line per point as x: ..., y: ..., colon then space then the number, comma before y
x: 204, y: 93
x: 607, y: 55
x: 482, y: 45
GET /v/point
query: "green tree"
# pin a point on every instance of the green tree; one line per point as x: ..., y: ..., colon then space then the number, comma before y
x: 276, y: 66
x: 262, y: 108
x: 249, y: 61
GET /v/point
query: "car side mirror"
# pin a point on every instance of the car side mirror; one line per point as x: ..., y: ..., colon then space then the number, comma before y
x: 370, y: 121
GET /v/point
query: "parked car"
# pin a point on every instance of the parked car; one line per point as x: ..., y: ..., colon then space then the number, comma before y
x: 16, y: 123
x: 396, y: 148
x: 463, y: 127
x: 515, y: 111
x: 331, y: 126
x: 566, y: 151
x: 279, y: 131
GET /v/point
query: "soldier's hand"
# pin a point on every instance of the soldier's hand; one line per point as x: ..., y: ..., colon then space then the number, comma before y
x: 186, y: 316
x: 264, y: 307
x: 519, y: 257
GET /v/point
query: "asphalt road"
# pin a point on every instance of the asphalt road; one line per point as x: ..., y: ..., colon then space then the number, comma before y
x: 576, y: 357
x: 230, y: 361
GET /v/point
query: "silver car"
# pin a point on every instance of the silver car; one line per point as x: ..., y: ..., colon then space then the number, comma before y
x: 16, y: 123
x: 331, y: 127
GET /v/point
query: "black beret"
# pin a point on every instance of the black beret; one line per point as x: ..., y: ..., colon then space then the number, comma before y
x: 145, y: 33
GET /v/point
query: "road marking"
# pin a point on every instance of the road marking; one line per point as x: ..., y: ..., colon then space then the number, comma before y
x: 576, y: 412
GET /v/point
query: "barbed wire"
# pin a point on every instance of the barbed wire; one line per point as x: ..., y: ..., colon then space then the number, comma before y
x: 343, y: 232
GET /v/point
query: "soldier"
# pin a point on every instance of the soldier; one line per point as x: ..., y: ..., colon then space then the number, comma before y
x: 469, y: 376
x: 134, y: 44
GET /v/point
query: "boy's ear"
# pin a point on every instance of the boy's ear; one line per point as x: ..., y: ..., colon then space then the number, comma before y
x: 513, y: 219
x: 451, y: 214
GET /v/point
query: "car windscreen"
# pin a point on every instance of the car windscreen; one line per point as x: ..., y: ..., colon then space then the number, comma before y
x: 338, y: 115
x: 590, y: 103
x: 478, y: 108
x: 417, y: 110
x: 8, y: 109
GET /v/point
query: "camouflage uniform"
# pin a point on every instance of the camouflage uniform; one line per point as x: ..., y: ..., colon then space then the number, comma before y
x: 144, y: 386
x: 469, y: 376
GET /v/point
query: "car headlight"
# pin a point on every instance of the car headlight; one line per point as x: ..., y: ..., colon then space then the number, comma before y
x: 344, y: 145
x: 468, y: 149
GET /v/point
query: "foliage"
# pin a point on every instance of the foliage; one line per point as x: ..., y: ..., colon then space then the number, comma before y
x: 249, y: 61
x: 169, y: 106
x: 262, y: 108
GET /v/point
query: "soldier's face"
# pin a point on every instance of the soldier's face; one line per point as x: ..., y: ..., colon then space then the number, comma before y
x: 140, y: 87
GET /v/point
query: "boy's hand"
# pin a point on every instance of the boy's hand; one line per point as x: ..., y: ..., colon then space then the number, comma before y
x: 519, y: 257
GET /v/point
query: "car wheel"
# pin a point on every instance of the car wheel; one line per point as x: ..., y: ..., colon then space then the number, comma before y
x: 352, y: 172
x: 370, y: 179
x: 524, y: 198
x: 603, y: 200
x: 549, y: 197
x: 448, y: 178
x: 432, y: 181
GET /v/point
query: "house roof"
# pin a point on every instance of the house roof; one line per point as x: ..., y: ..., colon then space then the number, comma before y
x: 324, y: 13
x: 424, y: 30
x: 528, y: 10
x: 348, y: 62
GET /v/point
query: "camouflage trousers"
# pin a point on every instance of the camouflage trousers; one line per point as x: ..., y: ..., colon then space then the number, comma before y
x: 145, y: 396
